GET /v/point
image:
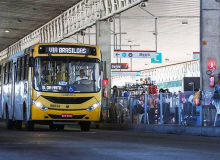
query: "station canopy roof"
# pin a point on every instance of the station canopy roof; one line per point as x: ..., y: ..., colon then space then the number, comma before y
x: 177, y: 26
x: 21, y: 17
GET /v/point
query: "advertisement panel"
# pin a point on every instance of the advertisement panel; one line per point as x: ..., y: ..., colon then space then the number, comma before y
x: 119, y: 65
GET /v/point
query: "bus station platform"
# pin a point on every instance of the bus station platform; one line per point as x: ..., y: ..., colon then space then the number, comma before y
x: 208, y: 131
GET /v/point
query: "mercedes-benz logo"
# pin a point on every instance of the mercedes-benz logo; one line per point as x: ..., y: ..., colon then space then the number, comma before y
x: 67, y: 106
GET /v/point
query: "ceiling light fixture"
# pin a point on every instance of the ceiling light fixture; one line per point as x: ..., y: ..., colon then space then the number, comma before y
x: 129, y: 41
x: 6, y: 31
x: 110, y: 19
x: 144, y: 3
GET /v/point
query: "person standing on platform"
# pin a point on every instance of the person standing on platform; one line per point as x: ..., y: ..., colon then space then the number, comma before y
x: 166, y: 106
x: 112, y: 109
x: 115, y: 94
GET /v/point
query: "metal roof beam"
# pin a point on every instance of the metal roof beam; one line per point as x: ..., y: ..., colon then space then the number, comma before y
x: 77, y: 18
x: 159, y: 17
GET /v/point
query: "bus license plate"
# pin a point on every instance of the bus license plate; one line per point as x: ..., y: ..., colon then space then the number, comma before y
x: 66, y: 115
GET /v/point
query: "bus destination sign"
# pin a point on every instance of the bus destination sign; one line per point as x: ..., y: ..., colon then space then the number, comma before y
x: 67, y: 49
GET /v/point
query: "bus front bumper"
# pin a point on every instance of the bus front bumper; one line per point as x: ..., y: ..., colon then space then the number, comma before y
x: 66, y: 115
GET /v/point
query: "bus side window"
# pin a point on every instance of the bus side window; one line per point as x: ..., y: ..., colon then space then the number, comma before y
x: 0, y: 75
x: 9, y: 71
x: 26, y: 67
x: 18, y: 74
x: 5, y: 73
x: 22, y: 68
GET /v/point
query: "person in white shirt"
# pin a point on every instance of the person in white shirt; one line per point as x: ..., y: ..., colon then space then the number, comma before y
x: 82, y: 75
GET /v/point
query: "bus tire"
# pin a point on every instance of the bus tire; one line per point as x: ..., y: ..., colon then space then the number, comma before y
x: 29, y: 125
x: 18, y: 124
x: 85, y: 126
x: 60, y: 127
x: 9, y: 122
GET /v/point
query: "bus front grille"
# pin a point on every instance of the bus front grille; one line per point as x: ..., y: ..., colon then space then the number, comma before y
x: 67, y: 100
x: 66, y: 109
x: 60, y: 117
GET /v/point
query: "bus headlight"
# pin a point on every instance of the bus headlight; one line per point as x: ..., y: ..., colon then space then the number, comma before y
x: 39, y: 105
x: 94, y: 106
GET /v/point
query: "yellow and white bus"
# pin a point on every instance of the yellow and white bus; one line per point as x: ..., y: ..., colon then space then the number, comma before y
x: 52, y: 83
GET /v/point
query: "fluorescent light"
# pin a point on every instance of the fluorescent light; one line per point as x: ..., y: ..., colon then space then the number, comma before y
x: 6, y: 31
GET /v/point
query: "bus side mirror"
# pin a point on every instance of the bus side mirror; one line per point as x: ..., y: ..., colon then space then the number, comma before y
x: 31, y: 62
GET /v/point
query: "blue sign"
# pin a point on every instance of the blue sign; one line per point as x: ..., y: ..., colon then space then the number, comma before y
x: 170, y: 84
x: 63, y: 83
x: 124, y: 54
x: 71, y: 88
x: 158, y: 58
x: 196, y: 56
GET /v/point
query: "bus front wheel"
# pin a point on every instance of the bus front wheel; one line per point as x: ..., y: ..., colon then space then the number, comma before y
x: 85, y: 126
x: 29, y: 125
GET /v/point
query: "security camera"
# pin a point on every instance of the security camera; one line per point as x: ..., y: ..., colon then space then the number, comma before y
x: 82, y: 33
x: 110, y: 19
x: 144, y: 3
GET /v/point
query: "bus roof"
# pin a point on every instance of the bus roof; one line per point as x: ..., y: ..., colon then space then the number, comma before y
x: 26, y: 50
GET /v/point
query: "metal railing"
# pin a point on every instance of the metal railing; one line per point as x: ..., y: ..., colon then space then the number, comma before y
x: 163, y: 108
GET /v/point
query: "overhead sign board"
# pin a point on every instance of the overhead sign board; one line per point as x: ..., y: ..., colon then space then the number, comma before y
x: 119, y: 65
x: 211, y: 64
x: 158, y: 58
x: 134, y: 54
x: 66, y: 49
x: 126, y: 73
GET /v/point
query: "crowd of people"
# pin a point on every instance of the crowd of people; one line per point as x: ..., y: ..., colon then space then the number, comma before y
x: 138, y: 105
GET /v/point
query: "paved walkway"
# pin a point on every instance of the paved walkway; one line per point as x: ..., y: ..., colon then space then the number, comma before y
x: 165, y: 129
x: 100, y: 144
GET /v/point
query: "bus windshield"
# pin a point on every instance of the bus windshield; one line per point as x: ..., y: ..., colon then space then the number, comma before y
x: 67, y: 74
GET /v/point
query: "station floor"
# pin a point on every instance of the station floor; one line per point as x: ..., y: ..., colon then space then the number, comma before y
x: 71, y: 143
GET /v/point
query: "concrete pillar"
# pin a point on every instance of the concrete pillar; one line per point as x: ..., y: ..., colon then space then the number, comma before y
x: 209, y: 39
x: 103, y: 41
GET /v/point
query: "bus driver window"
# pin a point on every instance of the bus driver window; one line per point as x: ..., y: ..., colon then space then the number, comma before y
x: 82, y: 75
